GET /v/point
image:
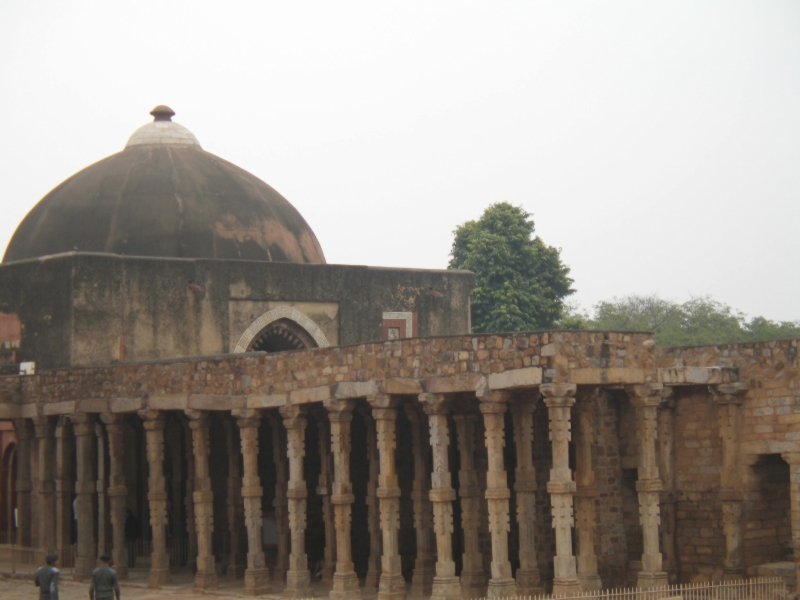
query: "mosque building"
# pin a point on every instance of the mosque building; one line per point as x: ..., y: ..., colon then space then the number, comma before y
x: 177, y: 356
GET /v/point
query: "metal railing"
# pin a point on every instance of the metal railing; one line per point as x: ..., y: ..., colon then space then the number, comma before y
x: 760, y: 588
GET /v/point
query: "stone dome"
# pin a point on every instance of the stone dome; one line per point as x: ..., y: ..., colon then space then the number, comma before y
x: 165, y: 196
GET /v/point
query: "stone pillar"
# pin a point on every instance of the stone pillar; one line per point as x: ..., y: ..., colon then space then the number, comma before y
x: 102, y: 484
x: 117, y: 490
x: 445, y: 584
x: 392, y: 586
x: 424, y: 565
x: 45, y: 432
x: 345, y: 582
x: 729, y: 398
x: 529, y: 579
x: 206, y: 576
x: 65, y: 483
x: 191, y: 526
x: 559, y: 398
x: 586, y: 495
x: 473, y: 578
x: 256, y: 576
x: 493, y: 406
x: 646, y: 399
x: 23, y: 485
x: 793, y: 458
x: 373, y: 510
x: 156, y: 496
x: 324, y: 490
x: 280, y: 502
x: 666, y: 462
x: 85, y: 486
x: 234, y: 503
x: 297, y: 576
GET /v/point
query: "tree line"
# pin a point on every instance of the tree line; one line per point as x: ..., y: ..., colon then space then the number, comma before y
x: 523, y: 285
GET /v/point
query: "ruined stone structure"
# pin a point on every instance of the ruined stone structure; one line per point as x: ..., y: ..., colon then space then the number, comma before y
x: 346, y: 432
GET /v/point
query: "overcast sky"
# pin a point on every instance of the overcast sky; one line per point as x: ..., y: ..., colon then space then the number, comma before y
x: 656, y: 143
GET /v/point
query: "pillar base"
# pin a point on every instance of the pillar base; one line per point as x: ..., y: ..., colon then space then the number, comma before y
x: 590, y: 581
x: 422, y: 579
x: 326, y: 574
x: 445, y: 588
x: 256, y: 582
x: 159, y: 577
x: 473, y: 584
x: 206, y: 580
x: 501, y: 588
x: 652, y: 579
x: 235, y: 572
x: 529, y: 582
x: 298, y: 585
x: 122, y: 570
x: 279, y: 575
x: 371, y: 580
x: 566, y: 587
x: 83, y: 568
x: 345, y: 586
x: 391, y: 587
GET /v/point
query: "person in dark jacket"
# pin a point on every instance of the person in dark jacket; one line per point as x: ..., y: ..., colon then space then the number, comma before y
x: 46, y: 578
x: 104, y: 584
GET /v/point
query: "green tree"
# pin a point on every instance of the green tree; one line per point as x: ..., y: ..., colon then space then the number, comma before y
x: 521, y: 282
x: 699, y: 321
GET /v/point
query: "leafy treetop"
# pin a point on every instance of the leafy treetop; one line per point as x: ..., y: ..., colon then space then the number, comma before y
x: 521, y: 282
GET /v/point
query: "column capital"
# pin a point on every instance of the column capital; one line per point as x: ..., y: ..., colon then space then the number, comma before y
x: 435, y: 404
x: 522, y: 406
x: 153, y: 419
x: 196, y: 417
x: 384, y: 414
x: 111, y: 418
x: 648, y: 394
x: 729, y: 393
x: 383, y: 401
x: 489, y: 408
x: 492, y: 396
x: 61, y: 426
x: 81, y: 423
x: 340, y: 409
x: 247, y: 418
x: 291, y: 412
x: 552, y: 391
x: 44, y: 426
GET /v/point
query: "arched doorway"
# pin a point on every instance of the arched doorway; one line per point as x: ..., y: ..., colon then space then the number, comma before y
x: 280, y: 330
x: 8, y: 500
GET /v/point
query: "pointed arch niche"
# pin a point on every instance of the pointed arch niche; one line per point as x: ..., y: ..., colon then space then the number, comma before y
x: 279, y: 330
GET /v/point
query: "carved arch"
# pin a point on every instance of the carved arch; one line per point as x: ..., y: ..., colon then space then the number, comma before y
x: 276, y: 314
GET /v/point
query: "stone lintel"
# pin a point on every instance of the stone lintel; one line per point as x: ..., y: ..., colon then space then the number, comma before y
x: 696, y: 375
x: 168, y: 401
x: 215, y: 402
x: 9, y: 411
x: 125, y: 405
x: 93, y: 405
x: 311, y: 395
x: 355, y: 389
x: 598, y: 376
x: 515, y: 378
x: 449, y: 384
x: 29, y: 411
x: 266, y: 400
x: 434, y: 403
x: 401, y: 386
x: 247, y: 414
x: 66, y: 407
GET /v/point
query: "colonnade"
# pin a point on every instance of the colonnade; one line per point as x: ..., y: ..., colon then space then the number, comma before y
x: 431, y: 417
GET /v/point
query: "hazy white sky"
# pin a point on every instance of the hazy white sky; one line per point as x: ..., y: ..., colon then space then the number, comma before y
x: 656, y: 143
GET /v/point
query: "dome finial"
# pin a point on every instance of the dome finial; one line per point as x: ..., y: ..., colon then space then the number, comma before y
x: 162, y: 113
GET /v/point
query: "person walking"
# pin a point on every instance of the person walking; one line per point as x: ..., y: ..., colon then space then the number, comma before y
x: 46, y: 578
x: 105, y: 585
